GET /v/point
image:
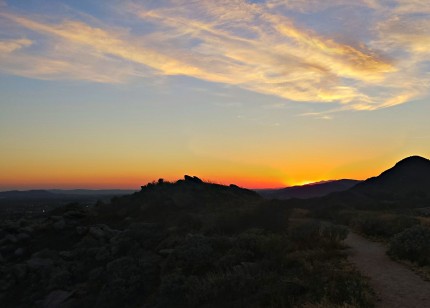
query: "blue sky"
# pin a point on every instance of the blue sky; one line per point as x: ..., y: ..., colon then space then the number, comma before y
x: 262, y: 93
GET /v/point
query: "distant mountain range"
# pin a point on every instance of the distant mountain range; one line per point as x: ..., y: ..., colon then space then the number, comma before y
x: 61, y: 193
x: 310, y: 190
x: 409, y: 178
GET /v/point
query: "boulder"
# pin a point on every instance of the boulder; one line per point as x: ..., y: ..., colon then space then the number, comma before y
x: 27, y: 230
x: 22, y: 236
x: 45, y: 254
x: 165, y: 252
x: 19, y: 252
x: 192, y: 179
x: 81, y: 230
x: 67, y: 255
x: 96, y: 273
x: 56, y: 298
x: 11, y: 238
x: 39, y: 263
x: 59, y: 225
x: 102, y: 231
x: 20, y: 270
x: 97, y: 232
x: 102, y: 254
x: 60, y: 278
x: 74, y: 214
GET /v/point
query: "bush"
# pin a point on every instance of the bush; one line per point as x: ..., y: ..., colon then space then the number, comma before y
x: 307, y: 233
x: 412, y: 244
x: 334, y: 233
x: 270, y: 216
x: 385, y: 227
x: 194, y: 255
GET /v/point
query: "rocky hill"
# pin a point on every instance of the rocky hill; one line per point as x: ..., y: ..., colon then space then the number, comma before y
x: 310, y: 190
x: 409, y: 178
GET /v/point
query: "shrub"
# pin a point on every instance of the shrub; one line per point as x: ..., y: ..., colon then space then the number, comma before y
x: 412, y: 244
x: 334, y: 233
x: 307, y: 233
x: 195, y: 254
x: 384, y: 227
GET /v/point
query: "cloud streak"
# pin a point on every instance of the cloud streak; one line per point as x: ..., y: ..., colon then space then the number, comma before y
x: 255, y: 46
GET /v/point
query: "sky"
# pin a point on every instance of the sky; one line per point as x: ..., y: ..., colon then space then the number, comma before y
x: 115, y: 94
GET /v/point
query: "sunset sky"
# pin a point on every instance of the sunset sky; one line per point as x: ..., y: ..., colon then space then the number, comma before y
x: 114, y: 94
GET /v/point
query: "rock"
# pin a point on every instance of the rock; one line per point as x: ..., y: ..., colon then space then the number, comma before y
x: 96, y: 273
x: 27, y: 230
x: 11, y: 238
x: 22, y: 236
x: 38, y: 263
x: 67, y: 255
x: 102, y: 231
x: 22, y: 222
x: 97, y: 232
x: 165, y: 252
x: 74, y: 214
x: 41, y: 226
x: 102, y: 254
x: 98, y: 253
x: 81, y: 230
x: 56, y: 298
x: 60, y: 278
x: 19, y: 252
x: 45, y: 254
x: 192, y: 179
x: 20, y: 270
x: 59, y: 225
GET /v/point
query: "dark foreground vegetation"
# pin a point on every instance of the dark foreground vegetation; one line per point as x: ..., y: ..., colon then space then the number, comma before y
x: 393, y: 208
x: 406, y: 233
x: 183, y: 244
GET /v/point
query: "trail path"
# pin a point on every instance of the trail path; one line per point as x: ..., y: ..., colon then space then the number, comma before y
x: 395, y: 285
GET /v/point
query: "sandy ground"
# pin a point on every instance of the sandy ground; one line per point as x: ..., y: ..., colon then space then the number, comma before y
x: 395, y: 285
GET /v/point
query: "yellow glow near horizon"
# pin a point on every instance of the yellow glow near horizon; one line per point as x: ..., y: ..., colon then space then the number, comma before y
x: 115, y: 94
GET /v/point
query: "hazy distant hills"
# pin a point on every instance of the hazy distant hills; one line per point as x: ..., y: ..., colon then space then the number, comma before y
x: 92, y: 192
x: 17, y: 202
x: 409, y: 178
x: 309, y: 191
x: 61, y: 193
x: 27, y: 194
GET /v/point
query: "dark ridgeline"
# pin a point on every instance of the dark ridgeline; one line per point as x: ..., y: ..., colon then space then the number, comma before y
x: 195, y: 244
x: 406, y: 185
x: 309, y: 191
x: 409, y: 178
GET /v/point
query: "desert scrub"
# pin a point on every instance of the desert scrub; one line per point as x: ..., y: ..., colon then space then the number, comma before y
x: 313, y: 232
x: 412, y: 244
x: 382, y: 227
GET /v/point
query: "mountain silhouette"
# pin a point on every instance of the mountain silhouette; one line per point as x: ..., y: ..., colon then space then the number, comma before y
x: 27, y: 194
x: 310, y: 190
x: 409, y: 178
x: 163, y: 201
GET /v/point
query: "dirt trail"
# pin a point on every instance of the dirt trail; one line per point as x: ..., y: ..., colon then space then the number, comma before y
x: 395, y: 285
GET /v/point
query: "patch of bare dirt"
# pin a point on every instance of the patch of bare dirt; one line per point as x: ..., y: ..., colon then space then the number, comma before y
x: 395, y: 285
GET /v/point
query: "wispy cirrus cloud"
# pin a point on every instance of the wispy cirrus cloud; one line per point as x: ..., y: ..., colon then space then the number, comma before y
x: 255, y: 46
